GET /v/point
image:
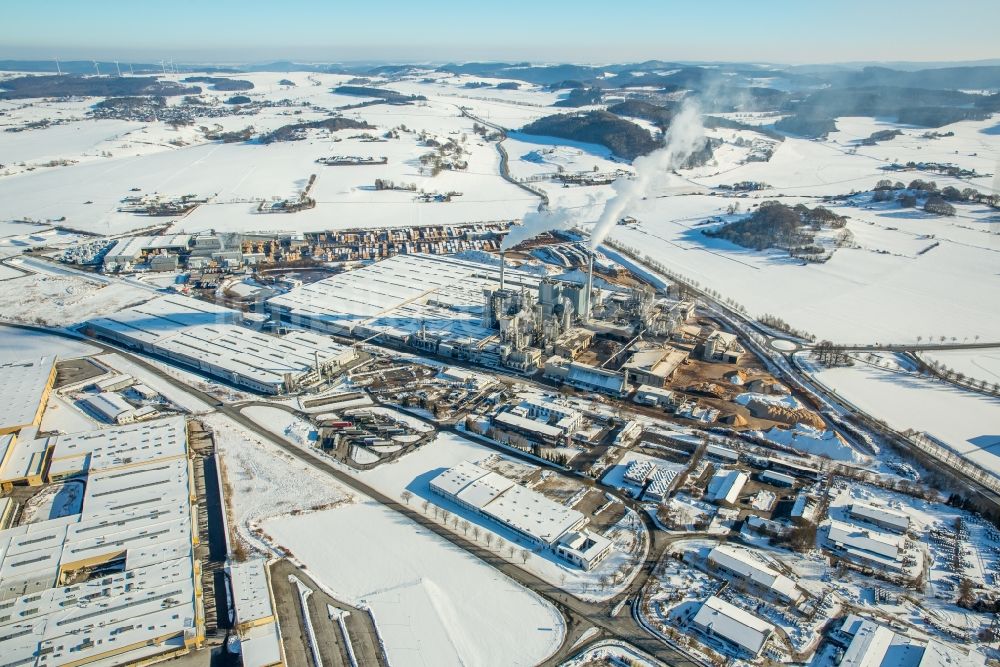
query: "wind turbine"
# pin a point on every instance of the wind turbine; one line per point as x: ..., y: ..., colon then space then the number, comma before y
x: 130, y: 70
x: 163, y: 68
x: 97, y: 68
x: 119, y: 69
x: 58, y: 69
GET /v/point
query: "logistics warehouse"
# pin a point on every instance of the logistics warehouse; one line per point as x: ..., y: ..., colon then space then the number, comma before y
x: 524, y: 511
x: 208, y: 338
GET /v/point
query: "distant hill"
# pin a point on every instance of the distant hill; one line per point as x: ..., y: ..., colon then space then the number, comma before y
x: 622, y: 137
x: 91, y: 86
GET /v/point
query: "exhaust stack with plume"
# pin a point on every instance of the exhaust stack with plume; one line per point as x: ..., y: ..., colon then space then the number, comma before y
x: 590, y: 288
x: 539, y: 222
x: 684, y: 136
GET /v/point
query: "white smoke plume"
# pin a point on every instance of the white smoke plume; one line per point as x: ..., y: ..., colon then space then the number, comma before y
x: 539, y: 222
x: 684, y: 136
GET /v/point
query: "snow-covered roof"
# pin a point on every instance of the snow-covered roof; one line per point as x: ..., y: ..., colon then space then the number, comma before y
x: 499, y: 498
x: 207, y: 337
x: 880, y: 516
x: 22, y: 388
x: 251, y: 592
x: 137, y: 510
x: 726, y: 485
x: 126, y: 445
x: 733, y: 624
x: 108, y: 405
x: 528, y: 424
x: 748, y: 565
x: 875, y: 645
x: 133, y: 246
x: 878, y: 543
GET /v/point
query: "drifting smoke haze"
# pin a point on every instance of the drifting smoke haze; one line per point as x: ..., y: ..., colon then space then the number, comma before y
x: 685, y: 135
x: 539, y: 222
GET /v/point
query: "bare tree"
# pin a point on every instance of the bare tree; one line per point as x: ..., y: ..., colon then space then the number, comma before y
x: 406, y: 495
x: 525, y: 555
x: 489, y: 538
x: 426, y: 505
x: 465, y: 526
x: 475, y: 533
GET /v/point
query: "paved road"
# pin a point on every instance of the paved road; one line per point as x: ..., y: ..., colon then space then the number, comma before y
x: 579, y: 615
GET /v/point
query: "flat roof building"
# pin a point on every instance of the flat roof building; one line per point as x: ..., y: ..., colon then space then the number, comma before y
x: 875, y: 645
x: 118, y: 582
x: 526, y: 512
x: 653, y: 366
x: 741, y: 629
x: 583, y: 548
x: 110, y: 407
x: 206, y: 337
x: 867, y: 546
x: 897, y: 522
x: 24, y: 392
x: 749, y: 567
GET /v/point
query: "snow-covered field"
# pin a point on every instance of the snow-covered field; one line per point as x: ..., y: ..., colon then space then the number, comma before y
x: 968, y: 422
x: 414, y: 471
x: 434, y: 604
x: 427, y: 595
x: 64, y: 300
x: 17, y: 344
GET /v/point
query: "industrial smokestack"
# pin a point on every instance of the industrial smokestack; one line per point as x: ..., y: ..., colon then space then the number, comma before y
x: 502, y: 264
x: 590, y: 287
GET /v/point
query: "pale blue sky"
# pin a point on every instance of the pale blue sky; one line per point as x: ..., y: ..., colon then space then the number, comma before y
x: 802, y: 31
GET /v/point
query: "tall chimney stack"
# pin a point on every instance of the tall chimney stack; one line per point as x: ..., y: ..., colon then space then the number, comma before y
x: 502, y: 265
x: 590, y: 287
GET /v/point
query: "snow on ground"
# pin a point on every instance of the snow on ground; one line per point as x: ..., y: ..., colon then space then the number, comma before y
x: 64, y: 300
x: 977, y: 364
x: 399, y: 416
x: 433, y: 603
x: 612, y: 652
x: 17, y: 344
x: 811, y: 440
x: 414, y: 471
x: 967, y: 422
x: 282, y: 423
x: 784, y: 401
x: 265, y: 481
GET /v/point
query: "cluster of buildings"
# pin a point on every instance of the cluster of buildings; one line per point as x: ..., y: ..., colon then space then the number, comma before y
x: 209, y: 339
x: 544, y: 419
x: 169, y: 252
x: 366, y: 244
x: 871, y: 537
x: 527, y: 513
x: 115, y: 578
x: 872, y: 644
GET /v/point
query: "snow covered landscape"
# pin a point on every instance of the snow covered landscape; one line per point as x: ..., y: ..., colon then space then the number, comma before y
x: 333, y: 338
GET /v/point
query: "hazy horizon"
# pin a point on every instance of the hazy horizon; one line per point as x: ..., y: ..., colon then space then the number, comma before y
x: 434, y: 31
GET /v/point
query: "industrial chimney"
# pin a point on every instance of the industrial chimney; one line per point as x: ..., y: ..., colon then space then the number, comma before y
x: 590, y: 287
x: 502, y: 264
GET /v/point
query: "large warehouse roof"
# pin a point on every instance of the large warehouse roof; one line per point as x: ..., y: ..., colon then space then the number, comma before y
x: 136, y: 514
x: 513, y: 505
x: 22, y: 391
x: 396, y: 296
x: 206, y: 337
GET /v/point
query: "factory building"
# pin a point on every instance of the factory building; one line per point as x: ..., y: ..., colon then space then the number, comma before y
x: 653, y: 365
x: 740, y: 629
x: 130, y: 547
x: 893, y: 521
x: 875, y: 645
x: 24, y: 392
x: 523, y: 511
x: 722, y: 346
x: 206, y: 338
x: 725, y: 486
x: 256, y: 621
x: 585, y: 377
x: 866, y: 547
x: 748, y: 567
x: 114, y: 409
x: 132, y: 250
